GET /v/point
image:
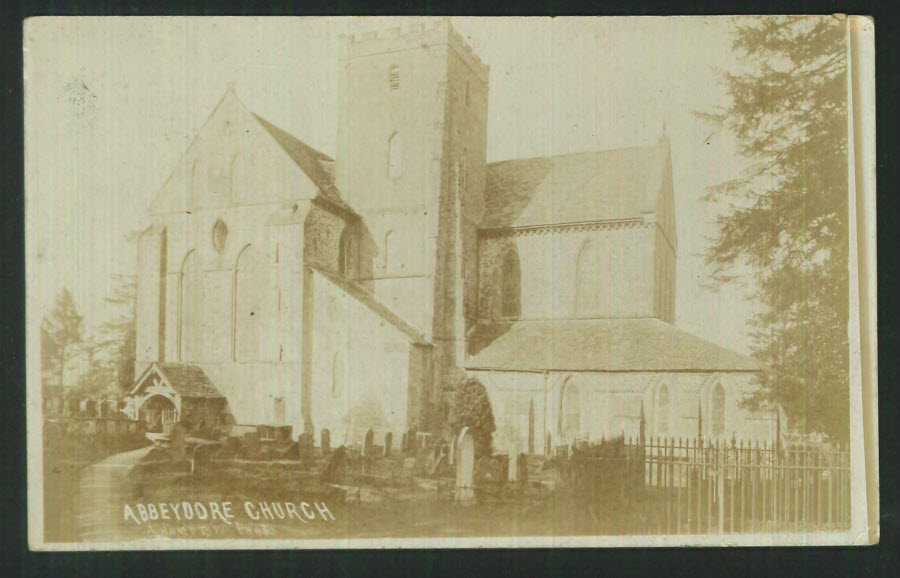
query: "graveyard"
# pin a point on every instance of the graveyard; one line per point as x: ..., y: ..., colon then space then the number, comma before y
x: 105, y: 473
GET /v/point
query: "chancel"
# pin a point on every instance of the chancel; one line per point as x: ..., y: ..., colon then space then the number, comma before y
x: 352, y: 294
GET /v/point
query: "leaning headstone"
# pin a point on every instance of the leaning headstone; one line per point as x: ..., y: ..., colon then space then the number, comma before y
x: 202, y: 457
x: 368, y: 443
x: 325, y: 442
x: 435, y: 455
x: 388, y: 442
x: 465, y: 466
x: 176, y: 442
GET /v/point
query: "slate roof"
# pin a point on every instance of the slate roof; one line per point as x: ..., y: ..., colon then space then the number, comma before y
x: 582, y: 187
x: 188, y: 380
x: 318, y: 166
x: 599, y: 345
x: 366, y: 298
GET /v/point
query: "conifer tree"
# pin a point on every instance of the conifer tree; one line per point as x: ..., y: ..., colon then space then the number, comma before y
x: 788, y: 213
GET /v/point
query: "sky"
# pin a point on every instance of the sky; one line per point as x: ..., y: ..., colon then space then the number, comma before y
x: 111, y: 104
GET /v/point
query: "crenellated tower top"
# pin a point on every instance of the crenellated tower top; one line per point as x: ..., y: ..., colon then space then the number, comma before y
x: 416, y: 34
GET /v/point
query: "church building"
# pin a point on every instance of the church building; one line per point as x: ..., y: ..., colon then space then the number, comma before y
x: 278, y: 285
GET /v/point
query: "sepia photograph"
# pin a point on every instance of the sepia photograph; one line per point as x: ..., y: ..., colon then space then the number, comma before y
x: 353, y: 282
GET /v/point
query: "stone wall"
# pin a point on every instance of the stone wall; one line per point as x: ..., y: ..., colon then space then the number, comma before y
x: 362, y: 367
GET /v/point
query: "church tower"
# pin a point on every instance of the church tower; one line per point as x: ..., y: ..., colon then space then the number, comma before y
x: 411, y: 155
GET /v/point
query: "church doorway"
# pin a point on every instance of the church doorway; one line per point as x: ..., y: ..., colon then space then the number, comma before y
x: 158, y: 412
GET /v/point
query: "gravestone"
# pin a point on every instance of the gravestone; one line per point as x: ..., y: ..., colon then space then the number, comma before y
x: 230, y: 447
x: 452, y: 455
x: 465, y: 466
x: 500, y: 468
x: 176, y: 442
x: 250, y: 446
x: 513, y: 468
x: 306, y: 448
x: 284, y: 433
x: 522, y: 469
x: 333, y: 465
x: 325, y: 442
x: 368, y: 443
x: 436, y: 452
x: 202, y: 457
x: 388, y: 442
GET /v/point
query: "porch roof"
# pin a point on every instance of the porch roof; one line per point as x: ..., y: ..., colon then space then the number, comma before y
x: 187, y: 379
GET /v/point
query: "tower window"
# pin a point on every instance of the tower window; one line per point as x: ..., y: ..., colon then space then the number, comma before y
x: 394, y: 77
x: 465, y: 171
x: 395, y: 155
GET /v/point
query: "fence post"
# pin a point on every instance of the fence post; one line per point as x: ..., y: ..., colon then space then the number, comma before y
x: 720, y: 487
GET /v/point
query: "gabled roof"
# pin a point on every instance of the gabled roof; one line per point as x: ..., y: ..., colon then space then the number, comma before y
x: 187, y: 379
x: 366, y: 298
x: 574, y: 188
x: 318, y: 166
x: 610, y: 345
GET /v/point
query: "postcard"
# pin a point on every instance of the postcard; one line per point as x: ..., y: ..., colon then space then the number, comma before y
x: 450, y: 282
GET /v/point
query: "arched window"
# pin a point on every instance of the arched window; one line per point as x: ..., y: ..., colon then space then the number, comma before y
x: 465, y: 171
x: 531, y: 427
x: 188, y: 309
x: 347, y: 254
x: 570, y: 425
x: 718, y: 411
x: 394, y: 77
x: 662, y: 410
x: 195, y: 186
x: 510, y: 289
x: 588, y: 272
x: 395, y: 156
x: 220, y: 234
x: 337, y: 374
x: 250, y: 304
x: 388, y: 247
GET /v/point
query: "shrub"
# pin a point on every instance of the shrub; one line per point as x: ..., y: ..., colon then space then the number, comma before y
x: 472, y: 409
